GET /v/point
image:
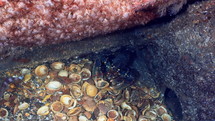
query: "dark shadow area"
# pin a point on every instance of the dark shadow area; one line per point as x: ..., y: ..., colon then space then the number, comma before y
x: 173, y: 104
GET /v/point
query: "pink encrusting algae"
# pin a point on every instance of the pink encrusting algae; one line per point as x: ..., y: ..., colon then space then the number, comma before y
x: 38, y: 22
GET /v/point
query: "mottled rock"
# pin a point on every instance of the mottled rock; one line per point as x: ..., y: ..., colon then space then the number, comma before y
x: 180, y: 54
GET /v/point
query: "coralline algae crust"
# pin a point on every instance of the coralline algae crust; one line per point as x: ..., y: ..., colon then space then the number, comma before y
x: 40, y: 22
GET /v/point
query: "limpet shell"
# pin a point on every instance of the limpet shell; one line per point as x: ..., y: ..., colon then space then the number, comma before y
x: 56, y: 106
x: 19, y: 117
x: 60, y: 117
x: 84, y: 86
x: 74, y: 112
x: 74, y: 68
x: 85, y: 73
x: 115, y: 92
x: 82, y: 118
x: 100, y: 95
x: 119, y: 100
x: 7, y: 96
x: 41, y: 93
x: 57, y: 65
x: 131, y: 112
x: 44, y: 110
x: 67, y: 100
x: 113, y: 114
x: 3, y: 113
x: 75, y: 90
x: 109, y: 101
x: 126, y: 118
x: 142, y: 118
x: 166, y: 117
x: 127, y: 94
x: 53, y: 86
x: 75, y: 78
x: 41, y: 70
x: 25, y: 71
x: 154, y: 93
x: 151, y: 115
x: 161, y: 110
x: 23, y: 106
x: 91, y: 90
x: 124, y: 105
x: 63, y: 73
x: 101, y: 83
x: 102, y: 118
x: 146, y: 109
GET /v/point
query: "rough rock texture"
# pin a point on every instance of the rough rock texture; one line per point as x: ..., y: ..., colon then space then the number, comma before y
x: 24, y: 22
x: 183, y: 59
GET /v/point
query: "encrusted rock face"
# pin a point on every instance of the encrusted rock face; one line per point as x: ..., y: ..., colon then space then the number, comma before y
x: 38, y: 22
x: 181, y: 55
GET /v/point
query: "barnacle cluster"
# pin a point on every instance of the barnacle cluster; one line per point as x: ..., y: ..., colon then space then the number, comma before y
x: 70, y: 92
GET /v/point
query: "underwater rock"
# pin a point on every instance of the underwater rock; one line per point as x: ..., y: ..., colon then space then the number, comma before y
x: 180, y: 54
x: 39, y: 22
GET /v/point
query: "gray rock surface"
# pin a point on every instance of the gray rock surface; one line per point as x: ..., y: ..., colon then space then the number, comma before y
x: 182, y: 58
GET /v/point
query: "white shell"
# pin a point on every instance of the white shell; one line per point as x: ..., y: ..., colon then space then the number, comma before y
x: 151, y: 115
x: 54, y: 86
x: 166, y: 117
x: 125, y: 106
x: 102, y: 84
x: 74, y: 112
x: 161, y: 110
x: 23, y: 106
x: 57, y: 65
x: 142, y: 118
x: 60, y: 116
x: 63, y: 73
x: 113, y: 114
x: 44, y: 110
x: 86, y: 74
x: 82, y: 118
x: 25, y: 71
x: 41, y: 70
x: 102, y: 118
x: 66, y: 99
x: 75, y: 91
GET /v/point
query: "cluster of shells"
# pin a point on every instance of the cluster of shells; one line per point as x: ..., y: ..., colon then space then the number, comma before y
x: 70, y: 92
